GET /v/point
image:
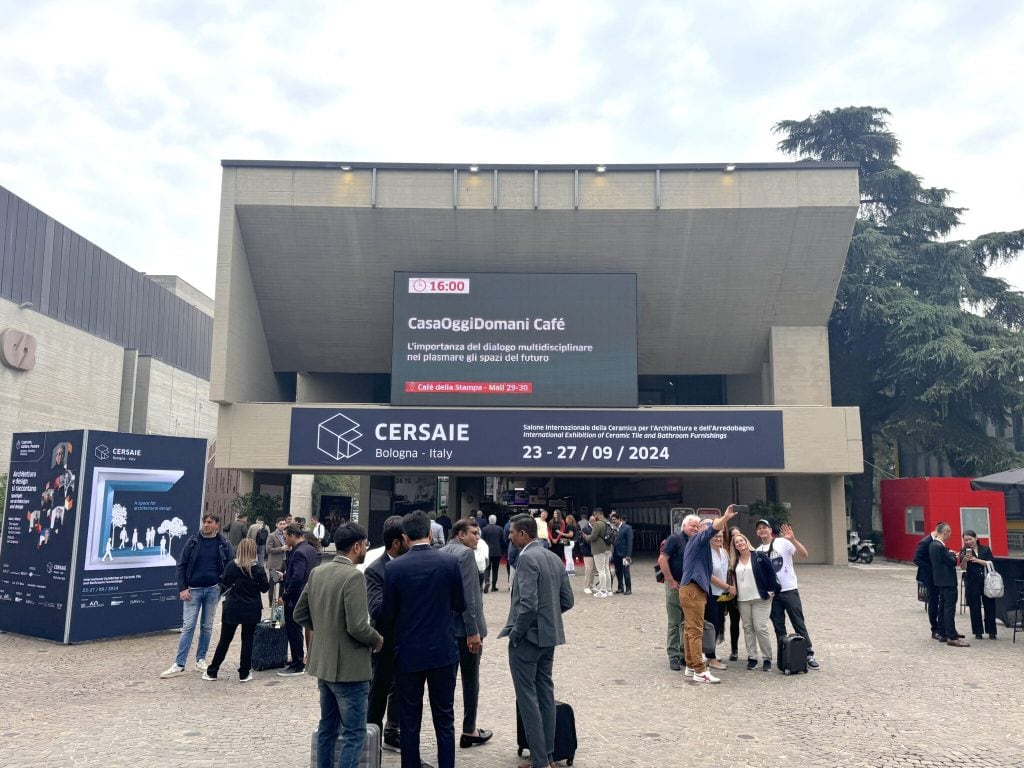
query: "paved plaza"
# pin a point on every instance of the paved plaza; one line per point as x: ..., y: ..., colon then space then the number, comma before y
x: 886, y: 695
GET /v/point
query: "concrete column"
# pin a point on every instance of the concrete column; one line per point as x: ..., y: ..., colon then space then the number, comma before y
x: 302, y: 496
x: 836, y: 538
x: 798, y: 358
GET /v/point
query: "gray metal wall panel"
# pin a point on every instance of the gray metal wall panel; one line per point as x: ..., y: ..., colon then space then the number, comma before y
x: 132, y: 340
x: 64, y: 275
x: 7, y: 263
x: 89, y: 284
x: 121, y: 297
x: 53, y: 281
x: 107, y: 305
x: 41, y: 287
x: 28, y: 262
x: 5, y: 200
x: 20, y: 238
x: 43, y: 227
x: 77, y: 285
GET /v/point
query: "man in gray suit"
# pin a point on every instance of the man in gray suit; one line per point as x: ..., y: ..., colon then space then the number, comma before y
x: 333, y: 606
x: 469, y: 626
x: 540, y: 595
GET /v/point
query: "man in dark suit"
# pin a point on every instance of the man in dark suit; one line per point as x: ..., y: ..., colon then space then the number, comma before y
x: 923, y: 561
x: 540, y: 595
x: 469, y: 627
x: 945, y: 580
x: 622, y: 553
x: 422, y: 589
x: 382, y: 684
x: 495, y: 539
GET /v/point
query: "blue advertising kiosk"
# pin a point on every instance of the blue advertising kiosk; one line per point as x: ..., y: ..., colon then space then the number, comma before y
x: 93, y: 522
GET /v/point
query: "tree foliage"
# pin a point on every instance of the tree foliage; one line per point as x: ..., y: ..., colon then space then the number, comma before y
x: 921, y: 338
x: 257, y: 506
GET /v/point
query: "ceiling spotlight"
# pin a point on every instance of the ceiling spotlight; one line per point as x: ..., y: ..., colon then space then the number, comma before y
x: 730, y: 168
x: 601, y: 169
x: 346, y: 167
x: 474, y: 168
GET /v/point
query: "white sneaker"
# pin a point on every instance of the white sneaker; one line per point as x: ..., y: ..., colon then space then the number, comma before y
x: 688, y: 671
x: 588, y: 591
x: 705, y: 677
x: 174, y: 671
x: 246, y: 679
x: 201, y: 665
x: 206, y: 676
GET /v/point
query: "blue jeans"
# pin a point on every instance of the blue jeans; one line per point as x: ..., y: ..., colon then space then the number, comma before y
x: 342, y: 713
x: 203, y: 599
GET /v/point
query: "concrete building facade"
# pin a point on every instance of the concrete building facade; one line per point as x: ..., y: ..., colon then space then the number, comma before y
x: 90, y: 343
x: 737, y: 268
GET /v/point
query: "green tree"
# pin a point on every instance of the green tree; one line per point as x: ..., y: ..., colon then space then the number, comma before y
x: 921, y: 338
x: 257, y: 506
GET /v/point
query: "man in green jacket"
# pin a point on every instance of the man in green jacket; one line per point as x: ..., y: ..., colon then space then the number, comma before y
x: 333, y: 606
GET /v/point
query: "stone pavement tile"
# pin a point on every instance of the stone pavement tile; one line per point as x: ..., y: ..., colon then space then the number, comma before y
x: 887, y: 695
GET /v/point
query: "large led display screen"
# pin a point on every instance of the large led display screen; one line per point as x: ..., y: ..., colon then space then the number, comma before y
x: 486, y: 339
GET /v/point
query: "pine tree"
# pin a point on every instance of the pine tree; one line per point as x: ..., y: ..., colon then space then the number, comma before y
x: 921, y: 338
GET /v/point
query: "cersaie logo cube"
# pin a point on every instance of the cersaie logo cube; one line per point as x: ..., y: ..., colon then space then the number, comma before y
x: 102, y: 452
x: 337, y: 437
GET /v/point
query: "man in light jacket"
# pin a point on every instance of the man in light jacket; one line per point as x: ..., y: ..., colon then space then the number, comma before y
x: 333, y: 606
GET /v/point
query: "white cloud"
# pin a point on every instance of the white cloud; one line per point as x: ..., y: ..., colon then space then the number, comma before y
x: 116, y: 125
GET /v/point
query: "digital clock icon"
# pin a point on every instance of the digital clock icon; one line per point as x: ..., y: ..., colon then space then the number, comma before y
x: 419, y: 286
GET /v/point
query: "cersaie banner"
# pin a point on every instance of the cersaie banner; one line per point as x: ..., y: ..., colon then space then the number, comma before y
x: 556, y: 440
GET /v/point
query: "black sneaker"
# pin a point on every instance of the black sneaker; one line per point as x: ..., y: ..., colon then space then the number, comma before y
x: 392, y: 742
x: 291, y: 671
x: 751, y: 663
x: 767, y: 666
x: 674, y: 665
x: 734, y: 656
x: 812, y: 663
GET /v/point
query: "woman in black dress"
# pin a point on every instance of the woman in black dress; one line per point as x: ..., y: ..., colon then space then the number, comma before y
x: 243, y: 581
x: 974, y: 558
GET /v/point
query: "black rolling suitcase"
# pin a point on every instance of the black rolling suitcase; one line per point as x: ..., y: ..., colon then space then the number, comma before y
x: 565, y: 733
x: 792, y: 654
x: 269, y: 647
x: 709, y: 640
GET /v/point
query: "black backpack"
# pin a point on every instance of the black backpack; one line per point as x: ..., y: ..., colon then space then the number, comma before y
x: 610, y: 535
x: 261, y: 537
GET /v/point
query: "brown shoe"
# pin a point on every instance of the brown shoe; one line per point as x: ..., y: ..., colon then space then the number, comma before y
x: 958, y: 643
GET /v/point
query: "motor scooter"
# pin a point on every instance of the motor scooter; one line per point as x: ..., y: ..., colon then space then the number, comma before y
x: 863, y: 551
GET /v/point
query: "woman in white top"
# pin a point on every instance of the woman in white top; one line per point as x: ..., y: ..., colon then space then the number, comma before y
x: 719, y: 586
x: 755, y: 583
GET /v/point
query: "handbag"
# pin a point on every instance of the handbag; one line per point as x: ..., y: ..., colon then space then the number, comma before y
x: 993, y: 582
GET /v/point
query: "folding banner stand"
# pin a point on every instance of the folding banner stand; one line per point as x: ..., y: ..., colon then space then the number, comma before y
x: 93, y: 523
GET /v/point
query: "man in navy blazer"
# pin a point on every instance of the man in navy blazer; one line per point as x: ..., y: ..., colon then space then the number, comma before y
x: 944, y: 578
x: 922, y: 559
x: 540, y: 595
x: 422, y: 592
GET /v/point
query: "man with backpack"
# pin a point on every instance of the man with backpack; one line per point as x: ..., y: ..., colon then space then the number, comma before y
x: 601, y: 538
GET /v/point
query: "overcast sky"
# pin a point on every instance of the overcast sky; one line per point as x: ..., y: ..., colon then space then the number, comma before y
x: 114, y: 116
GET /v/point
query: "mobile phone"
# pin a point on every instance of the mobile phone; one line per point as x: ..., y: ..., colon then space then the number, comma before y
x: 737, y: 508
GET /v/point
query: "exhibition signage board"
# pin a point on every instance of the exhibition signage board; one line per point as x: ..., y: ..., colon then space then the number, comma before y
x: 414, y: 439
x: 40, y: 517
x: 484, y: 339
x: 106, y: 528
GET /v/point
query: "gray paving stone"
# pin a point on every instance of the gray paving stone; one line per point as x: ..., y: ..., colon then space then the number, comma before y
x: 887, y: 695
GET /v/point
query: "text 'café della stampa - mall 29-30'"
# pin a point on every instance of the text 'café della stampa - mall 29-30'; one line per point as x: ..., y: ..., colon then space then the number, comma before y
x: 642, y: 337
